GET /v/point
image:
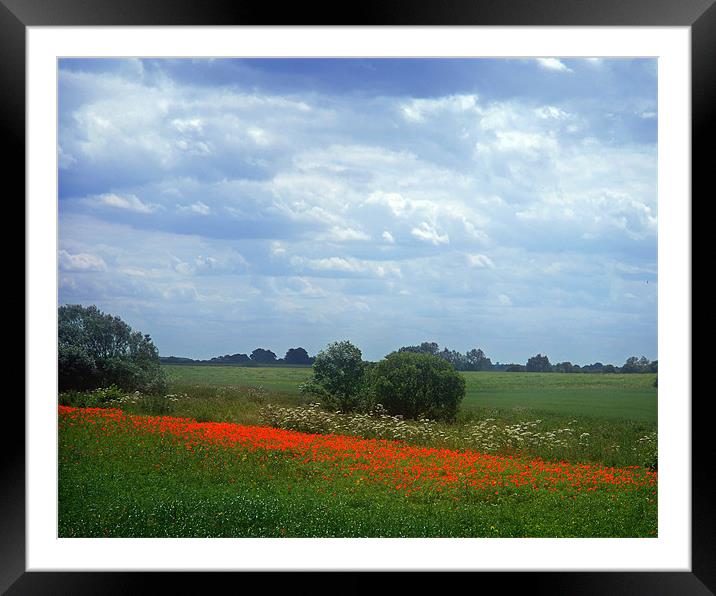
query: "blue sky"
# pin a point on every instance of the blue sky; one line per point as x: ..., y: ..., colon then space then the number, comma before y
x: 223, y: 205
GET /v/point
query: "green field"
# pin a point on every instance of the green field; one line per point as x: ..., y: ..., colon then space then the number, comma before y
x: 115, y: 480
x: 129, y: 484
x: 624, y: 397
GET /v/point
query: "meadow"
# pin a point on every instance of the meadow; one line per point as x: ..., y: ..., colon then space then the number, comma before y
x: 241, y: 453
x: 614, y: 396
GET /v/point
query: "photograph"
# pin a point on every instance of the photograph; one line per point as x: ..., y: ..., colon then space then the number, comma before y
x: 357, y: 297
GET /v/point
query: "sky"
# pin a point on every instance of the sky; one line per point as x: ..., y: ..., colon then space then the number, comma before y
x: 221, y: 205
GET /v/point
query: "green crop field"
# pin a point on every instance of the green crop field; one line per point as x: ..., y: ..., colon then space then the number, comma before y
x: 631, y: 397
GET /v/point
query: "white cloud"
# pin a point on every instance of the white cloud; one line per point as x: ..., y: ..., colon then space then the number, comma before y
x: 198, y: 208
x: 388, y: 237
x: 277, y: 249
x: 337, y: 234
x: 523, y: 142
x: 418, y: 109
x: 127, y: 202
x: 551, y: 112
x: 553, y: 64
x: 190, y: 125
x: 80, y: 262
x: 428, y: 233
x: 480, y: 261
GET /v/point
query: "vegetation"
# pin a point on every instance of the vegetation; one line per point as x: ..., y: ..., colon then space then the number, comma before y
x: 99, y: 350
x: 146, y: 477
x: 408, y: 446
x: 339, y: 378
x: 417, y: 385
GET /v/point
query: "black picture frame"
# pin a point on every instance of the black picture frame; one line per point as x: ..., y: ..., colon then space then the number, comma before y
x: 699, y: 15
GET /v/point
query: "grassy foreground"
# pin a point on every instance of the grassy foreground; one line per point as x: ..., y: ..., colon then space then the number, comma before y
x: 136, y: 476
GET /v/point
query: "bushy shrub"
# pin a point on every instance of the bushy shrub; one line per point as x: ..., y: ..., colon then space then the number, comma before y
x: 96, y: 350
x: 418, y: 385
x: 338, y: 377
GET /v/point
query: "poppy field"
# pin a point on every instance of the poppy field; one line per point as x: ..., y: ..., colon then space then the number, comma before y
x: 133, y: 475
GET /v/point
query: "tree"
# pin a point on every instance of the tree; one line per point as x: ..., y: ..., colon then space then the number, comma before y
x: 231, y: 359
x: 455, y: 358
x: 261, y: 356
x: 563, y: 367
x: 297, y: 356
x: 414, y: 385
x: 427, y: 347
x: 636, y: 365
x: 538, y: 363
x: 96, y: 349
x: 339, y: 371
x: 476, y: 360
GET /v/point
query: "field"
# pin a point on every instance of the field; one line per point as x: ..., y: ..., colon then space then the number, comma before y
x: 630, y: 397
x: 235, y: 452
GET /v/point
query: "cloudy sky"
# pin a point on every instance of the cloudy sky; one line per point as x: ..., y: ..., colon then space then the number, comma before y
x: 224, y: 205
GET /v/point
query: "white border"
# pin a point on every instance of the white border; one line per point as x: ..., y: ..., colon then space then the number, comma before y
x: 670, y: 551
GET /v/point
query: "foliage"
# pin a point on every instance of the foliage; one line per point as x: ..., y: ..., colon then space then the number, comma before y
x: 261, y: 356
x: 639, y: 365
x: 297, y: 356
x: 179, y: 479
x: 339, y: 372
x: 96, y: 349
x: 418, y: 385
x: 538, y: 363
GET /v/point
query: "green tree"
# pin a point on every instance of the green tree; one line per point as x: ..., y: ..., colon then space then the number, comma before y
x: 417, y: 384
x: 297, y: 356
x: 538, y: 363
x: 476, y: 360
x: 339, y: 371
x: 261, y: 356
x: 96, y: 349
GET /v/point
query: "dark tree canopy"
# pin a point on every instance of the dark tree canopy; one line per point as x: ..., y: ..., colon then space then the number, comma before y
x: 297, y: 356
x: 96, y: 349
x: 538, y: 363
x: 231, y: 359
x: 427, y: 347
x: 639, y: 365
x: 476, y: 360
x: 261, y: 356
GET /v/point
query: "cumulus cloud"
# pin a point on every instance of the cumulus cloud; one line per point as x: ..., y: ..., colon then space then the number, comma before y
x: 338, y: 234
x: 480, y: 261
x: 127, y: 202
x: 199, y: 208
x: 296, y: 201
x: 553, y: 64
x: 80, y: 262
x: 429, y: 233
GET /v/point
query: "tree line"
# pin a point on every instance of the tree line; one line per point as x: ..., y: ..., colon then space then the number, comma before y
x: 259, y: 357
x: 96, y: 349
x: 473, y: 360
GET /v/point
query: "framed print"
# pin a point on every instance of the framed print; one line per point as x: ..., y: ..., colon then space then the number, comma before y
x: 420, y: 171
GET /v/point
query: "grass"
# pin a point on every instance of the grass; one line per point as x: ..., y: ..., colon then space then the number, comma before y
x: 133, y: 484
x: 147, y: 485
x: 622, y: 397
